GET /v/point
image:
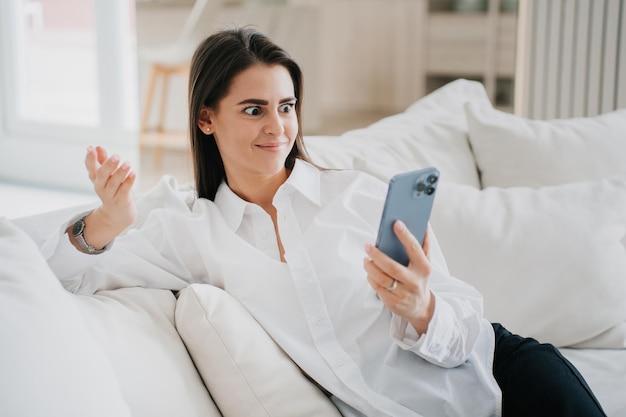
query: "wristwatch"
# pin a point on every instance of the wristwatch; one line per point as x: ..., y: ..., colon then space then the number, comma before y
x: 78, y: 231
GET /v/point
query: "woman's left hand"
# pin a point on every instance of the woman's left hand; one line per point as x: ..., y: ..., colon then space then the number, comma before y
x: 403, y: 289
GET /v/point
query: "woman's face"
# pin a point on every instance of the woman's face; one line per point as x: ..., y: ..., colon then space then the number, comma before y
x: 255, y: 124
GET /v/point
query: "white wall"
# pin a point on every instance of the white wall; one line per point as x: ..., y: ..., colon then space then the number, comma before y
x: 356, y: 55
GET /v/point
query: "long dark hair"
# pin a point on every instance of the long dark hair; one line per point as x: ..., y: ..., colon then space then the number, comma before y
x: 215, y: 63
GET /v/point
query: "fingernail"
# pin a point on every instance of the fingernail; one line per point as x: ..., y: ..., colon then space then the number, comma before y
x: 400, y: 225
x: 115, y: 158
x: 89, y: 149
x: 368, y: 247
x: 125, y: 165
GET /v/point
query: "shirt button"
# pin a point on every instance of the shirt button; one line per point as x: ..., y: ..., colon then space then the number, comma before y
x: 264, y: 235
x: 340, y: 362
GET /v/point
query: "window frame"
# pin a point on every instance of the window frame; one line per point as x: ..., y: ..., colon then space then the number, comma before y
x: 47, y: 154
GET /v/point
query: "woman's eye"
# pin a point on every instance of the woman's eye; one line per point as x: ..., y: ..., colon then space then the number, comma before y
x: 287, y: 107
x: 252, y: 110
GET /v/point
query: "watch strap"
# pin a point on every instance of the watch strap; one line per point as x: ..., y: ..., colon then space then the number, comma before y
x: 78, y: 231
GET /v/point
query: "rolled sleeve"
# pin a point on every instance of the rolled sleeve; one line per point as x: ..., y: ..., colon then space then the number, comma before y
x: 69, y: 264
x: 450, y: 337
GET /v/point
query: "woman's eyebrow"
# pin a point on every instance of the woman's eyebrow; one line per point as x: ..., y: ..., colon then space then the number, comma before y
x: 260, y: 102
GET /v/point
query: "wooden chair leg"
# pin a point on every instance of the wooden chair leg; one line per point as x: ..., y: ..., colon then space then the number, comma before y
x: 165, y: 84
x: 158, y: 147
x: 147, y: 105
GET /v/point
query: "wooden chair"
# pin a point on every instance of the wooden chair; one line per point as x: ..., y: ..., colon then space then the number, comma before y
x: 174, y: 60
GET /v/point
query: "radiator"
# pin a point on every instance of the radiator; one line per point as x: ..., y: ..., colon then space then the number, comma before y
x: 571, y: 58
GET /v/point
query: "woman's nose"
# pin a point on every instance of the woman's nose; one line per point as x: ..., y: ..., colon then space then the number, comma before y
x: 274, y: 124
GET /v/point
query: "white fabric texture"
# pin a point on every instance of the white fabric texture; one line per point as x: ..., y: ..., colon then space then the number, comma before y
x: 514, y: 151
x: 312, y: 308
x: 614, y: 337
x: 235, y: 355
x: 135, y: 328
x: 431, y: 132
x: 550, y: 262
x: 50, y: 365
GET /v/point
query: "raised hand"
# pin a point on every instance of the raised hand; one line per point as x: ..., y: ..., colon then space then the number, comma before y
x: 403, y: 289
x: 113, y: 182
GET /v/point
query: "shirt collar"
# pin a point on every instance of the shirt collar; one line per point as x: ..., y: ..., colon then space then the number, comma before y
x: 304, y: 179
x: 230, y: 205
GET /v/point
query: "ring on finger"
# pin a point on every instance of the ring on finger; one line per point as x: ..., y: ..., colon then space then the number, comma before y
x: 393, y: 285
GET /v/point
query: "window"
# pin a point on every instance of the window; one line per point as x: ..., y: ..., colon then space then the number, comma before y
x: 68, y: 79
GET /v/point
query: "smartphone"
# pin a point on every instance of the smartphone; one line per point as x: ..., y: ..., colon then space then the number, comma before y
x: 410, y: 198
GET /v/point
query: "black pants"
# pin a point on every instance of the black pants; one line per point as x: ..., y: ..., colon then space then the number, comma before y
x: 536, y: 380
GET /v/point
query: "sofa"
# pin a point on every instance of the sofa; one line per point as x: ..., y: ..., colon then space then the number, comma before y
x: 532, y: 213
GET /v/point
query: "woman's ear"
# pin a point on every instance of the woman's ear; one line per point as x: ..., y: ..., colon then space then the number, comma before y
x: 204, y: 121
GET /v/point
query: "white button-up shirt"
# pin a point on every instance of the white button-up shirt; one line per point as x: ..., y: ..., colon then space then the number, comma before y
x: 318, y: 306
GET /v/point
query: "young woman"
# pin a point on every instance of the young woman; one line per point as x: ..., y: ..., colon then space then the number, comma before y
x: 293, y: 244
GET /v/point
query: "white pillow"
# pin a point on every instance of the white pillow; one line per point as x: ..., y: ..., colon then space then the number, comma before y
x: 431, y: 132
x: 330, y: 152
x: 615, y: 337
x: 243, y: 368
x: 514, y: 151
x: 50, y: 365
x: 550, y: 262
x: 135, y: 328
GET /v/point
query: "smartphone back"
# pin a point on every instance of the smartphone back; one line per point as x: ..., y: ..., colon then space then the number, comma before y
x: 409, y: 198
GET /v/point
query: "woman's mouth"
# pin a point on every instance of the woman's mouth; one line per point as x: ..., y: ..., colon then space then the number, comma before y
x: 272, y: 146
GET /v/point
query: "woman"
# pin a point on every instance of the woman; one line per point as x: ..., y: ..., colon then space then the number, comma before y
x: 287, y: 239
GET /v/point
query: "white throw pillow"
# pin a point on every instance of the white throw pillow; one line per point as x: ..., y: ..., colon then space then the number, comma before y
x: 431, y: 132
x: 135, y: 328
x: 514, y: 151
x: 243, y: 368
x: 50, y: 365
x: 615, y: 337
x: 550, y: 262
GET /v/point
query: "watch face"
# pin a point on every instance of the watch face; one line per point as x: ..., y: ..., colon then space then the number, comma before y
x: 78, y: 227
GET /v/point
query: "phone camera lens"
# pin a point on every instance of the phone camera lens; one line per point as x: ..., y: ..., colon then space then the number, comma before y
x: 432, y: 179
x: 430, y: 190
x: 420, y: 186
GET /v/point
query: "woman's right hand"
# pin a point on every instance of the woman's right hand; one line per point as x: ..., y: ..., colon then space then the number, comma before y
x: 113, y: 182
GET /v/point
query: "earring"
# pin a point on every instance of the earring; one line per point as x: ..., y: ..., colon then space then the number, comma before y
x: 208, y: 130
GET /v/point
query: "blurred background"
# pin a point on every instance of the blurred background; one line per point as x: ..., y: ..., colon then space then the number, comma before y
x: 75, y: 73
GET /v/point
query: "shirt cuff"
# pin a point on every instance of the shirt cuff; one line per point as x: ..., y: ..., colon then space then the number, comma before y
x: 404, y: 333
x: 68, y: 263
x: 433, y: 345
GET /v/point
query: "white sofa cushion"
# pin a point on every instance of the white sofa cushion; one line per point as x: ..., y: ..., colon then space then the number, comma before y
x: 515, y: 151
x: 548, y: 265
x: 431, y: 132
x: 135, y: 328
x: 243, y: 368
x: 50, y: 365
